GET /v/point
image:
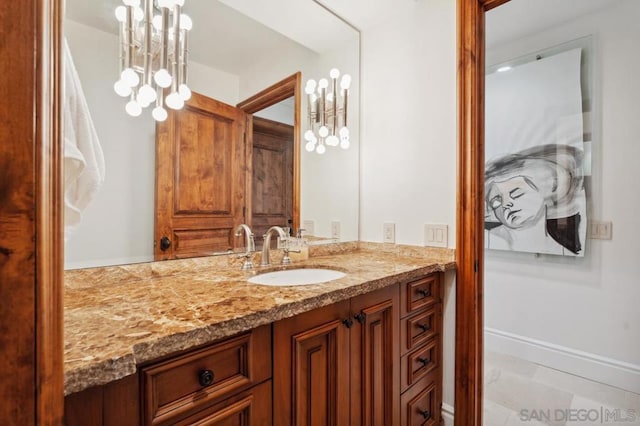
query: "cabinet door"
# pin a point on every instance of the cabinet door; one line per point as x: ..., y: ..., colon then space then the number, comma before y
x: 375, y: 358
x: 311, y: 368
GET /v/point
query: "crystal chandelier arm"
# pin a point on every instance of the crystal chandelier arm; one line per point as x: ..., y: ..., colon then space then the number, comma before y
x: 164, y: 40
x: 176, y: 48
x: 128, y: 38
x: 345, y: 102
x: 334, y: 106
x: 184, y: 58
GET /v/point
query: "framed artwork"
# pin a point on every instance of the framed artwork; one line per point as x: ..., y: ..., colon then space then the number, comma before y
x: 535, y: 199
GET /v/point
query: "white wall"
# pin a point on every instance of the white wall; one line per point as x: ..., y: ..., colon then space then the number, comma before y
x: 409, y: 123
x: 117, y: 227
x: 408, y: 149
x: 581, y: 315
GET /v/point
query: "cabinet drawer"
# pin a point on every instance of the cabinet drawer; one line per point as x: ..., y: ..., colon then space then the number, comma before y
x: 419, y: 328
x: 418, y: 363
x: 178, y: 386
x: 418, y: 294
x: 420, y: 405
x: 249, y: 408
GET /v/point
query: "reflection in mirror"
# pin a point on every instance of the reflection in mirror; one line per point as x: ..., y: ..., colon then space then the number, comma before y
x: 237, y: 49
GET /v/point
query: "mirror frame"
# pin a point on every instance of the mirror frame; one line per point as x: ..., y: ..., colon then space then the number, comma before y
x: 470, y: 211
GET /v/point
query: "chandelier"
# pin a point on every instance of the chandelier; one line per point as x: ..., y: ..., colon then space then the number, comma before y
x: 327, y: 113
x: 153, y: 56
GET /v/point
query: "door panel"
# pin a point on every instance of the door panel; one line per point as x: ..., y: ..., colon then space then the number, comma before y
x: 272, y: 176
x: 311, y: 364
x: 200, y: 172
x: 375, y: 358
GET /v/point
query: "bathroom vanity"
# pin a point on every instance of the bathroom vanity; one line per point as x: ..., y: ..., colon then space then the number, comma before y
x: 192, y: 342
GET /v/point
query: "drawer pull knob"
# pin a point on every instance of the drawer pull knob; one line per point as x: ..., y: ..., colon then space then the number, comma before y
x: 424, y: 293
x: 424, y: 327
x: 361, y: 317
x: 424, y: 361
x: 205, y: 377
x: 348, y: 322
x: 426, y: 414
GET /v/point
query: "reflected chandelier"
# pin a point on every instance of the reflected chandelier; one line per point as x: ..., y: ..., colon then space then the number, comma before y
x: 327, y: 113
x: 153, y: 56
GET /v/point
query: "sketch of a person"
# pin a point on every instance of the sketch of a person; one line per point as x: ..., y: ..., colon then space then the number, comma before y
x: 543, y: 182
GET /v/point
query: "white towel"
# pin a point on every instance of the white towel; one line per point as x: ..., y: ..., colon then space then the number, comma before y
x: 83, y: 157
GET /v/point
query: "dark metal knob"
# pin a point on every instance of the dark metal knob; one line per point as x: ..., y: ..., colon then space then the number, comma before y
x: 424, y: 361
x: 165, y: 243
x: 424, y: 327
x: 205, y: 377
x: 348, y: 322
x: 424, y: 293
x: 425, y: 413
x: 361, y: 317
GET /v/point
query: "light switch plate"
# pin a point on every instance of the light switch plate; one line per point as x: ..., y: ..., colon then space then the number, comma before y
x: 389, y: 232
x: 308, y: 225
x: 436, y: 235
x: 335, y: 229
x: 600, y: 230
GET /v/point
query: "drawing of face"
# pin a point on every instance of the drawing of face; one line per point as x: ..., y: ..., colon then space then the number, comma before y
x: 516, y: 202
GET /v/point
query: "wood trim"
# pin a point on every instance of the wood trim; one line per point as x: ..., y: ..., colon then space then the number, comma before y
x: 31, y: 382
x: 290, y: 86
x: 470, y: 211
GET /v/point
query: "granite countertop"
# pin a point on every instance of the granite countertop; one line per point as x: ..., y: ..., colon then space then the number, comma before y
x: 118, y: 317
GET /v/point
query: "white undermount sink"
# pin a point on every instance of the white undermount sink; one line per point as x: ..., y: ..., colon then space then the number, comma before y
x: 290, y: 277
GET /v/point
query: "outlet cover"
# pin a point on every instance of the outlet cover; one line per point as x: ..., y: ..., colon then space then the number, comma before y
x: 389, y: 232
x: 335, y: 229
x: 308, y: 226
x: 436, y: 235
x: 600, y: 230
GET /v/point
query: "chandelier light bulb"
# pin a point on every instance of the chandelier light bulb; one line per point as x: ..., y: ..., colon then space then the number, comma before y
x: 130, y: 77
x: 166, y: 3
x: 320, y: 149
x: 334, y: 73
x: 323, y: 131
x: 162, y: 78
x: 329, y: 97
x: 323, y: 83
x: 121, y: 13
x: 138, y: 14
x: 159, y: 113
x: 185, y: 22
x: 332, y: 140
x: 133, y: 108
x: 344, y: 132
x: 146, y: 94
x: 310, y: 146
x: 122, y: 89
x: 345, y: 83
x: 179, y: 2
x: 309, y: 89
x: 174, y: 101
x: 133, y: 3
x: 344, y: 143
x: 184, y: 92
x: 312, y: 83
x: 308, y: 135
x: 157, y: 22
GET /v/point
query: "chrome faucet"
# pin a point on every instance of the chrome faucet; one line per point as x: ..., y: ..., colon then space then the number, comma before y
x: 266, y: 245
x: 249, y: 244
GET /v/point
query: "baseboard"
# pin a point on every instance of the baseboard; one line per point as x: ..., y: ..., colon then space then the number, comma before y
x: 447, y: 414
x: 601, y: 369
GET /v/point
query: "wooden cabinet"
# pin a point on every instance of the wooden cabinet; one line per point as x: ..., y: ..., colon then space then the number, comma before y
x: 339, y: 365
x: 371, y: 360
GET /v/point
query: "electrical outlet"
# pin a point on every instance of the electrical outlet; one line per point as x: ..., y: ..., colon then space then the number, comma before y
x: 389, y: 232
x: 436, y: 235
x: 335, y: 229
x: 599, y: 230
x: 308, y: 225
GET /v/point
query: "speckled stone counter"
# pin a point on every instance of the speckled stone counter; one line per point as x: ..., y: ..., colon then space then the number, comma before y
x: 118, y: 317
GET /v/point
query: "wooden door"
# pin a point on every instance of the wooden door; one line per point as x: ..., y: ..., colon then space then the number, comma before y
x: 271, y: 176
x: 375, y: 358
x: 200, y: 179
x: 311, y: 368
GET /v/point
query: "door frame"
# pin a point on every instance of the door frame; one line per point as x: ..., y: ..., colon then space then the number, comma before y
x: 290, y: 86
x: 31, y: 213
x: 470, y: 211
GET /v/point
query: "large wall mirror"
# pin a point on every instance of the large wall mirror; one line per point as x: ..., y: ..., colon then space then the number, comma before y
x: 237, y: 48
